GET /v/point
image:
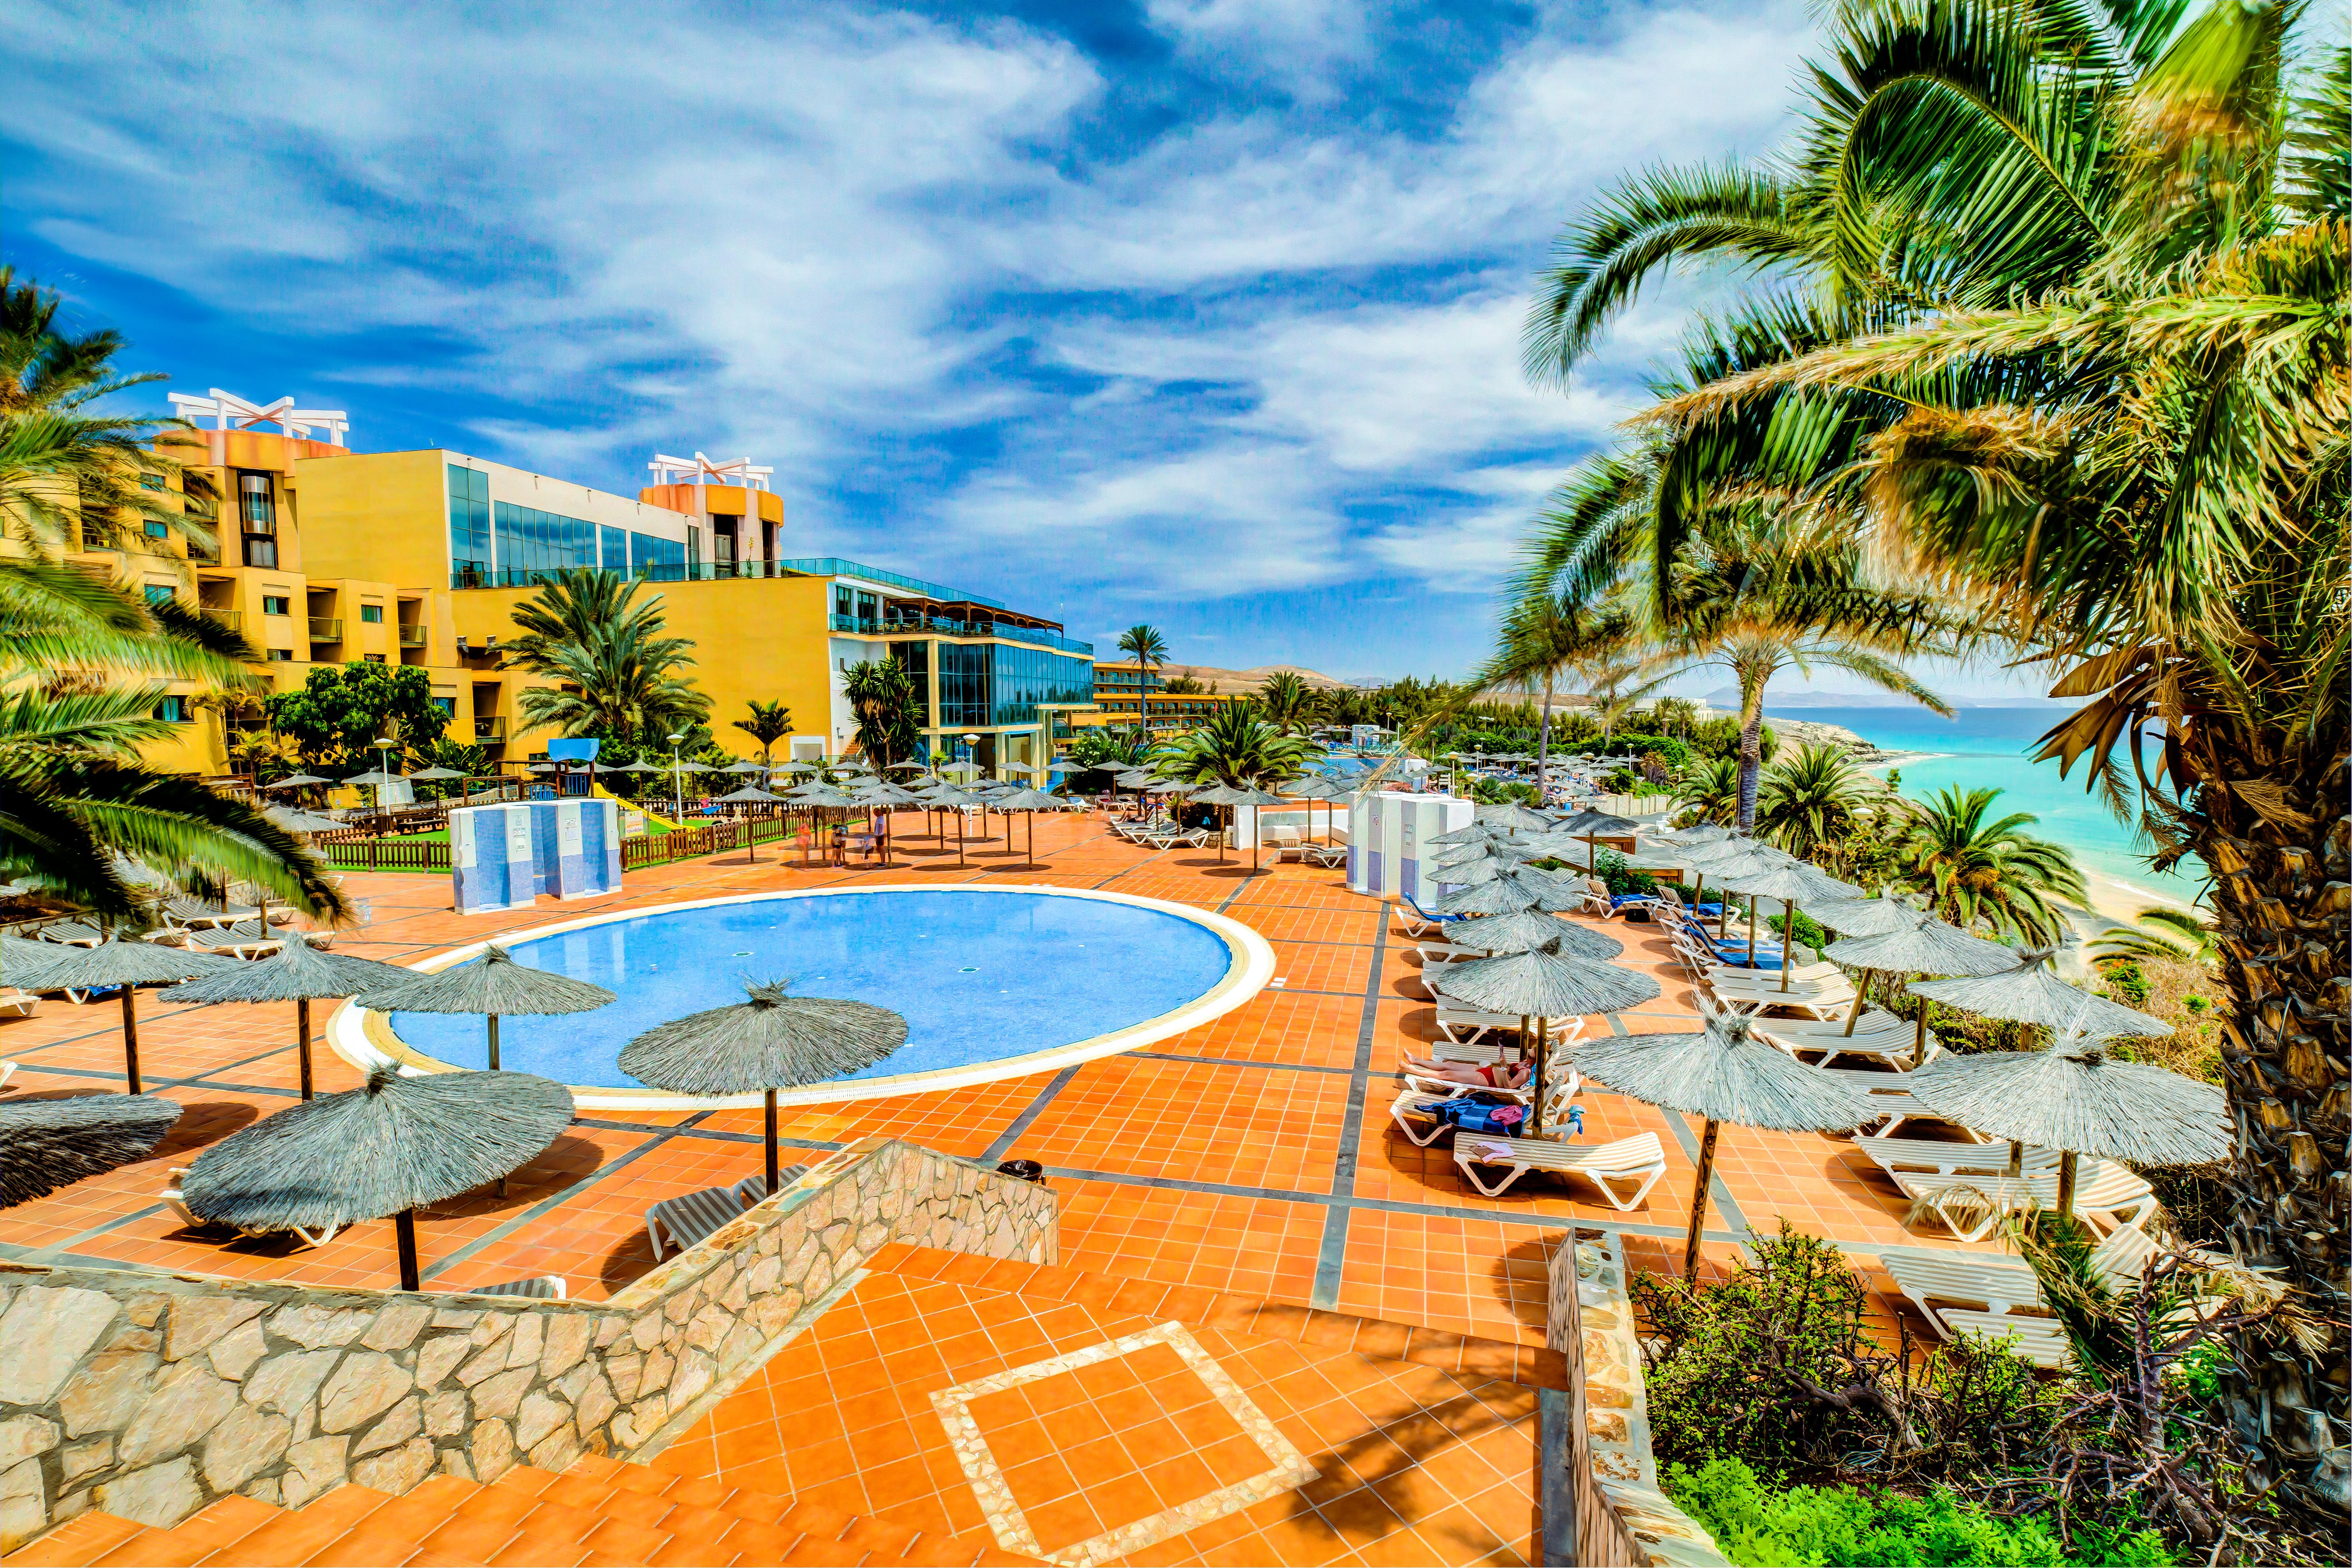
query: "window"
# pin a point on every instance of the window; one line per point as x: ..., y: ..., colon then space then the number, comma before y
x: 373, y: 658
x: 915, y: 659
x: 842, y: 601
x: 470, y: 527
x: 658, y: 559
x: 532, y: 543
x: 372, y: 615
x: 275, y: 604
x: 613, y: 550
x: 449, y: 706
x: 175, y: 711
x: 963, y: 684
x: 275, y: 654
x: 157, y: 529
x: 151, y: 483
x: 159, y: 594
x: 254, y: 504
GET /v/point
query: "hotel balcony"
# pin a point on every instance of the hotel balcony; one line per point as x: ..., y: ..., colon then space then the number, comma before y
x: 231, y: 620
x: 326, y: 628
x: 490, y: 729
x: 412, y: 636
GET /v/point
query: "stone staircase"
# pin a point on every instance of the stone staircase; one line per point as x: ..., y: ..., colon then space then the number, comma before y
x: 600, y: 1513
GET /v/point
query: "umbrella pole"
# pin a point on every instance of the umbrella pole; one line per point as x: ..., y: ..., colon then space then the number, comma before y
x: 131, y: 1037
x: 2066, y: 1182
x: 1698, y: 1200
x: 1861, y: 1000
x: 1788, y: 942
x: 494, y: 1041
x: 1919, y: 1041
x: 1536, y: 1083
x: 303, y: 1040
x: 2016, y: 1160
x: 771, y: 1142
x: 403, y: 1227
x: 1751, y: 940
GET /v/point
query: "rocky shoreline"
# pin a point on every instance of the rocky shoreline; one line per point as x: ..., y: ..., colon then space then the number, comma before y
x: 1811, y: 732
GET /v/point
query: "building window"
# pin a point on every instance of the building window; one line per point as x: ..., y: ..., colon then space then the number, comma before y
x: 151, y: 481
x: 276, y: 654
x: 449, y: 706
x: 276, y: 604
x: 613, y: 550
x: 963, y: 684
x: 470, y: 527
x: 175, y: 711
x: 157, y: 529
x: 372, y: 614
x: 532, y: 544
x: 843, y: 602
x: 915, y: 659
x: 159, y: 594
x: 657, y: 559
x: 373, y: 658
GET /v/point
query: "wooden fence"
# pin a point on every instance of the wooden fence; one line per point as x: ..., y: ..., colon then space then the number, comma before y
x: 356, y: 851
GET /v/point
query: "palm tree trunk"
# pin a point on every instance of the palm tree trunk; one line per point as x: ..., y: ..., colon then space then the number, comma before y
x: 1751, y: 757
x: 1543, y: 743
x: 2281, y: 895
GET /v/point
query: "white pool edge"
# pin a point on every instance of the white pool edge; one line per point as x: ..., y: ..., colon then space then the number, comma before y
x: 352, y: 1032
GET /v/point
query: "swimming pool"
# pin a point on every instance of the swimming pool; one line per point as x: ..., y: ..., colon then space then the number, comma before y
x: 993, y: 982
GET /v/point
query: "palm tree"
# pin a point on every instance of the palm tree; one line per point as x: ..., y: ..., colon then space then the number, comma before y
x: 1993, y: 876
x: 616, y: 676
x: 1708, y: 791
x: 769, y: 723
x: 1289, y: 702
x: 1807, y: 802
x: 883, y: 697
x: 2080, y: 363
x: 2183, y: 935
x: 1239, y: 748
x: 1143, y: 643
x: 1544, y: 635
x: 1675, y: 715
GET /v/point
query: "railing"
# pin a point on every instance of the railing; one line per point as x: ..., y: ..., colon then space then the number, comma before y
x: 1005, y: 631
x: 380, y: 852
x: 412, y: 634
x: 492, y: 729
x: 326, y: 628
x: 835, y: 567
x: 232, y: 620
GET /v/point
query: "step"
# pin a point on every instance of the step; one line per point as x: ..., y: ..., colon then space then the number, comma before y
x: 295, y: 1534
x: 82, y: 1539
x: 190, y: 1541
x: 1532, y: 1366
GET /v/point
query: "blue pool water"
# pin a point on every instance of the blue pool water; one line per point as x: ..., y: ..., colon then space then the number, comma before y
x: 978, y: 976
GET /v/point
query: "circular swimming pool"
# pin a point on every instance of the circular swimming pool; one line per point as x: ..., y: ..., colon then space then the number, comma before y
x: 992, y: 982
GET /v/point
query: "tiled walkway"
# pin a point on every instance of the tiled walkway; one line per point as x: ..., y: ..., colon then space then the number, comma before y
x: 1253, y: 1155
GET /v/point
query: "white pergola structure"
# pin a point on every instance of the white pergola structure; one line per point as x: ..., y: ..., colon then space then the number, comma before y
x: 230, y: 411
x: 740, y: 472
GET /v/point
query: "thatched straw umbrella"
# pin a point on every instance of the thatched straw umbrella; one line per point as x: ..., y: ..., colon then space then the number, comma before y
x: 1502, y: 895
x: 1723, y: 1074
x: 2030, y: 993
x: 493, y: 984
x: 46, y: 1144
x: 1790, y: 880
x: 1312, y: 787
x: 955, y: 801
x: 1923, y: 945
x: 1546, y: 985
x: 306, y: 823
x: 883, y: 796
x: 1251, y: 795
x: 1029, y: 802
x: 771, y: 1041
x: 1865, y: 918
x: 1530, y: 932
x: 390, y: 1147
x: 296, y: 973
x: 749, y: 795
x: 2077, y: 1098
x: 128, y: 964
x: 298, y: 781
x: 1511, y: 816
x: 1219, y: 795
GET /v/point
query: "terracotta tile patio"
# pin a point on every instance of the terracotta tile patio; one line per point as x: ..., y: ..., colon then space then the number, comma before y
x: 1253, y: 1157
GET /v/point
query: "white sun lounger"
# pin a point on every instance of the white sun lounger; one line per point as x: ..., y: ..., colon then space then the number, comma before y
x: 18, y: 1003
x: 1944, y: 1157
x: 1970, y: 1205
x: 172, y: 1199
x: 1992, y: 1284
x: 1421, y: 1093
x: 8, y: 1070
x: 1639, y: 1158
x: 538, y: 1287
x: 191, y: 913
x: 689, y: 1217
x: 2042, y: 1340
x: 1451, y: 1018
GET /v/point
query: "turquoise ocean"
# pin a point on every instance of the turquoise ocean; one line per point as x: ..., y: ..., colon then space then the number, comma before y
x: 1989, y: 748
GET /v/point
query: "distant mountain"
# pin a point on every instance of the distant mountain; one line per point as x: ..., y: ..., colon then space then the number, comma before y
x: 1252, y: 679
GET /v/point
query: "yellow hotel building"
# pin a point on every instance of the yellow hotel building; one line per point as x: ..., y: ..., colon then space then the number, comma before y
x: 1124, y: 689
x: 324, y: 555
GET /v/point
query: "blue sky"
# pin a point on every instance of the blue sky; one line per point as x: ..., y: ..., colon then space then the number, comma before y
x: 1203, y: 312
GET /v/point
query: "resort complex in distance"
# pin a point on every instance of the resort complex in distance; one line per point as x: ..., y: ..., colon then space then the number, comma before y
x: 548, y: 1026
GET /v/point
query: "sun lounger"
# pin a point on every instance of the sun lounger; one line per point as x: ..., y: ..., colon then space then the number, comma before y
x: 1424, y: 1084
x: 1451, y: 1019
x: 1821, y: 998
x: 538, y: 1287
x: 1886, y: 1092
x: 1419, y: 922
x: 689, y: 1217
x: 8, y: 1070
x: 2042, y: 1340
x: 174, y: 1199
x: 16, y: 1002
x: 1937, y: 1157
x: 250, y: 940
x: 72, y: 933
x: 189, y: 913
x: 1970, y: 1205
x: 1987, y: 1286
x: 1410, y: 1110
x: 1640, y: 1159
x: 1324, y: 855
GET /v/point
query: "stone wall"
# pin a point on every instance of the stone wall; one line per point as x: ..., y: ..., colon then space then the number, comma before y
x: 1590, y: 1317
x: 148, y: 1396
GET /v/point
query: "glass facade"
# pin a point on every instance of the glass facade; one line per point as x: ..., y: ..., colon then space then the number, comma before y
x: 1026, y: 676
x: 613, y: 550
x: 915, y: 659
x: 661, y: 560
x: 963, y: 684
x: 532, y: 542
x: 470, y: 527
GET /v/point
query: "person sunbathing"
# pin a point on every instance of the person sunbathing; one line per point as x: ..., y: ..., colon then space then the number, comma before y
x: 1502, y: 1075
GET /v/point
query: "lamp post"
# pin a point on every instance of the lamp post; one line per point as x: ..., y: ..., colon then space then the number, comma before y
x: 971, y: 755
x: 676, y: 785
x: 383, y: 744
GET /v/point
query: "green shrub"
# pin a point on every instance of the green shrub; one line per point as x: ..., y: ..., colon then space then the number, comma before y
x: 2126, y: 984
x: 1804, y: 1526
x: 1611, y: 868
x: 1811, y: 934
